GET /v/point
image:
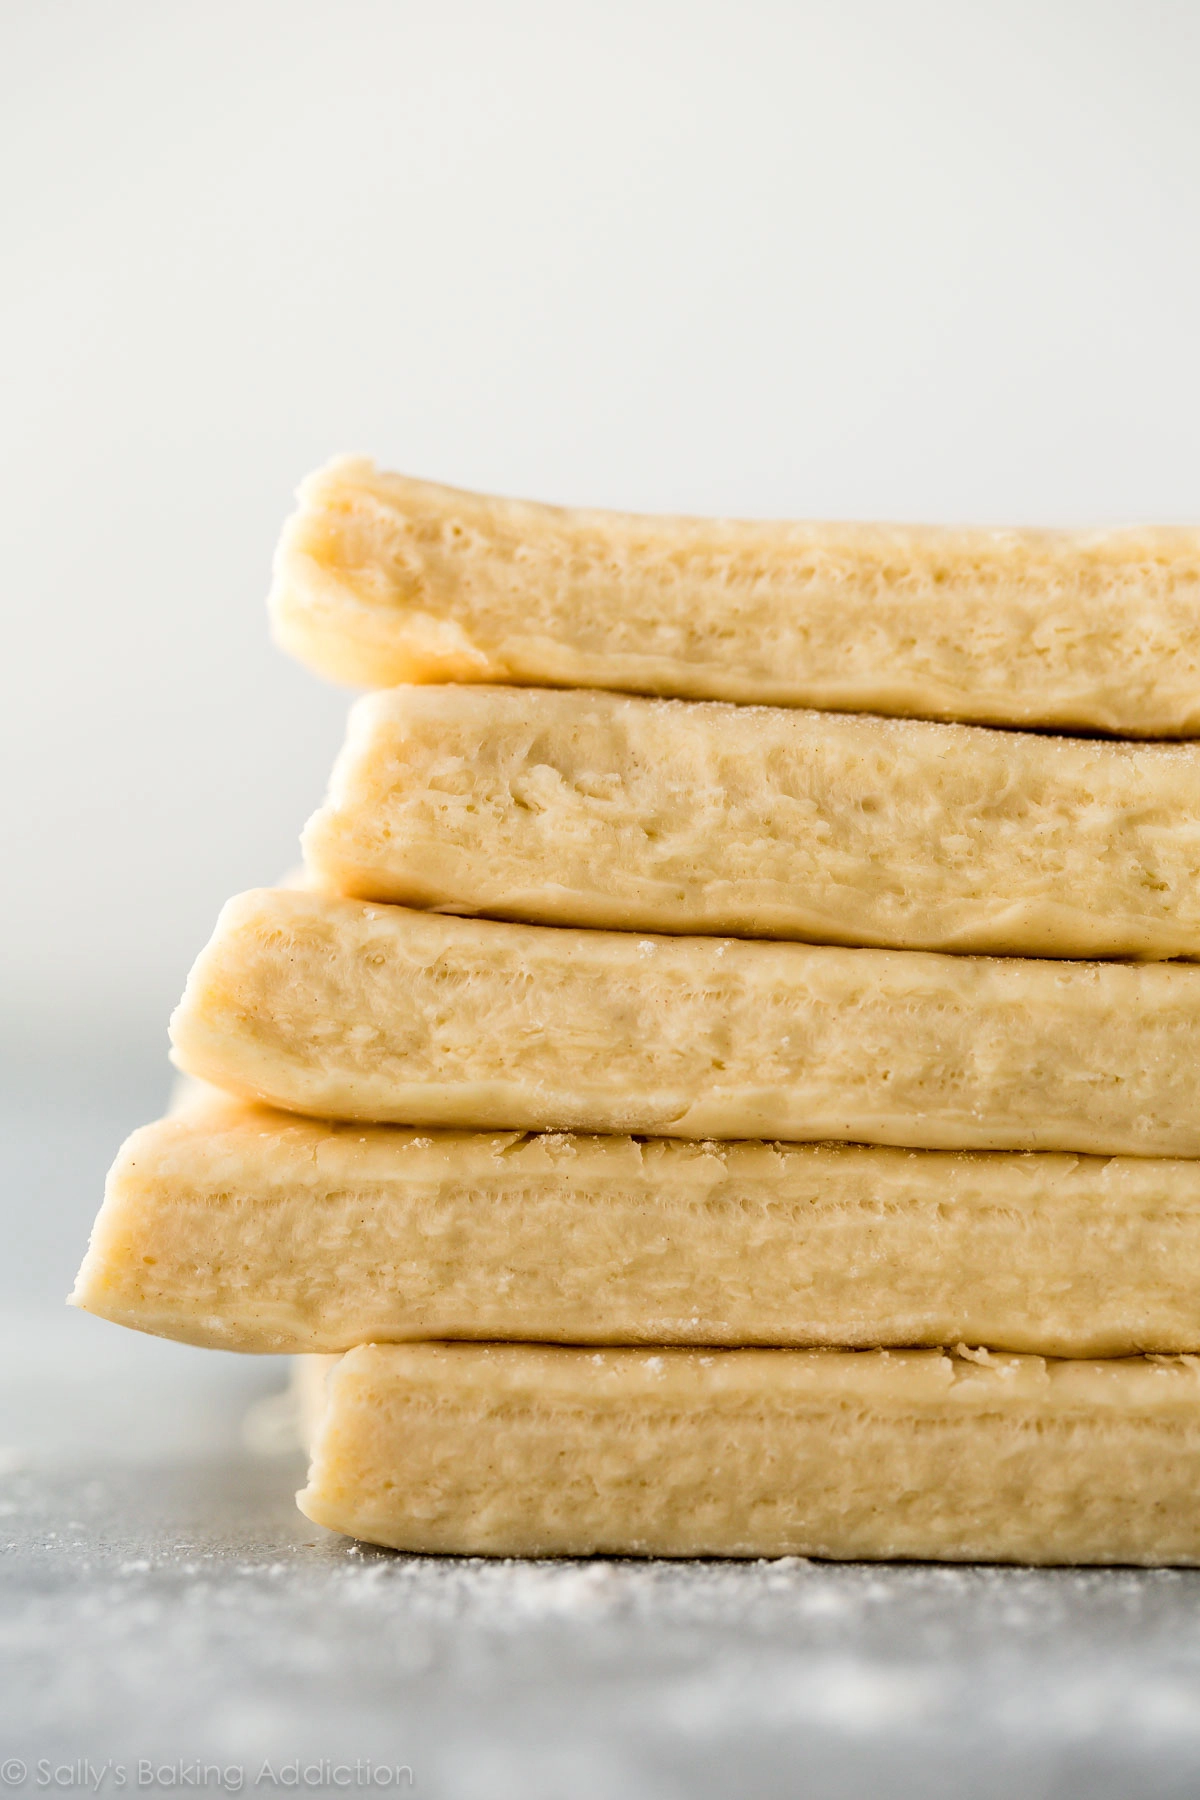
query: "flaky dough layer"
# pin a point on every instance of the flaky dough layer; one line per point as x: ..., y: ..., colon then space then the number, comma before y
x: 380, y: 579
x: 245, y: 1229
x: 587, y: 808
x: 341, y: 1009
x: 517, y: 1450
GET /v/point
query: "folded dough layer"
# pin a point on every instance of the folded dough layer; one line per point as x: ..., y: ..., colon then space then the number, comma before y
x: 379, y: 579
x: 516, y: 1450
x: 340, y: 1009
x: 587, y: 808
x: 245, y: 1229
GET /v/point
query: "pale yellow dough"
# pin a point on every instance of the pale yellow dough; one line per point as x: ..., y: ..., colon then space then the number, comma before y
x: 380, y: 579
x: 245, y: 1229
x: 517, y: 1450
x: 682, y: 816
x: 341, y: 1009
x: 306, y: 1391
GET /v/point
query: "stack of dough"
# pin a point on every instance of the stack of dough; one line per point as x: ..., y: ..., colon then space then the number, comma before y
x: 727, y: 1083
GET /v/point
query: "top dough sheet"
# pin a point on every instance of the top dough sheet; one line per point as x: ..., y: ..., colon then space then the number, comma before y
x: 587, y: 808
x: 380, y: 579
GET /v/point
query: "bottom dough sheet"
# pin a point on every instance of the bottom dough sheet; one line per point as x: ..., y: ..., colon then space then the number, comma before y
x: 247, y: 1229
x: 520, y: 1450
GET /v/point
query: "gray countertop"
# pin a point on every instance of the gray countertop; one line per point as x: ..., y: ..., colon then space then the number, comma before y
x: 166, y: 1607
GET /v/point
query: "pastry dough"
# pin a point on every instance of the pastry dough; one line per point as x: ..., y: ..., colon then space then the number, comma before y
x: 379, y: 579
x: 596, y: 809
x: 247, y: 1229
x: 341, y: 1009
x: 520, y: 1450
x: 306, y: 1391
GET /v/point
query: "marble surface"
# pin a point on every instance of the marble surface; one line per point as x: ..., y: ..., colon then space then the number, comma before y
x: 170, y: 1622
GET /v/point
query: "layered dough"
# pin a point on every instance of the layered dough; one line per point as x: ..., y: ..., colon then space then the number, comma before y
x: 517, y: 1450
x: 245, y: 1229
x: 601, y: 810
x: 380, y: 579
x: 341, y: 1009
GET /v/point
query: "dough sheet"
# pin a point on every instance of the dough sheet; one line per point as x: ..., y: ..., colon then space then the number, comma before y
x: 596, y: 809
x: 380, y: 579
x: 520, y: 1450
x: 342, y: 1009
x: 245, y: 1229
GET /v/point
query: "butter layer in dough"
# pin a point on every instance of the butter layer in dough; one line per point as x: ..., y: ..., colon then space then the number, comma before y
x: 380, y: 579
x: 342, y: 1009
x: 245, y: 1229
x: 521, y: 1450
x: 588, y: 808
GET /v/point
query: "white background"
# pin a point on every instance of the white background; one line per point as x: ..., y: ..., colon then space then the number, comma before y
x: 935, y: 260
